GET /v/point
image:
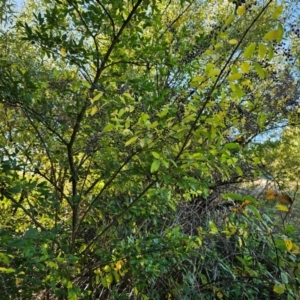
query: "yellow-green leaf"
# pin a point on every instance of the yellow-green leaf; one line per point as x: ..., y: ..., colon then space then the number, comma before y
x: 130, y: 141
x: 229, y: 20
x: 97, y: 97
x: 282, y: 208
x: 241, y: 10
x: 272, y: 35
x: 245, y: 67
x: 279, y: 288
x: 281, y: 31
x: 235, y: 76
x: 233, y: 42
x: 119, y: 265
x: 198, y: 78
x: 277, y: 12
x: 155, y: 166
x: 63, y: 51
x: 7, y: 270
x: 288, y: 244
x: 108, y: 127
x: 155, y: 154
x: 249, y: 50
x: 94, y: 110
x: 259, y: 70
x: 109, y: 279
x: 213, y: 227
x: 106, y: 268
x: 232, y: 86
x: 262, y: 50
x: 271, y: 53
x: 214, y: 72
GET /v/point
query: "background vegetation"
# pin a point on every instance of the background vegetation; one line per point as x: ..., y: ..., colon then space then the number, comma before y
x: 136, y: 152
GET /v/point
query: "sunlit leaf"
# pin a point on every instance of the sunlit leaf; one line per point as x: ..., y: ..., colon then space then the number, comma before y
x: 289, y: 244
x: 272, y: 35
x: 94, y: 110
x: 277, y: 12
x: 155, y: 166
x: 97, y: 97
x: 63, y: 51
x: 249, y: 50
x: 233, y: 42
x: 235, y: 76
x: 262, y: 50
x: 155, y: 154
x: 131, y: 141
x: 245, y: 67
x: 241, y: 10
x: 282, y: 208
x: 7, y: 270
x: 213, y: 227
x: 229, y: 20
x: 214, y: 72
x: 281, y: 32
x: 108, y: 127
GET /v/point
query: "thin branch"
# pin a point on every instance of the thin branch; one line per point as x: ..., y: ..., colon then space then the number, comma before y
x: 208, y: 96
x: 106, y: 185
x: 120, y: 215
x: 116, y: 39
x: 8, y: 196
x: 109, y: 16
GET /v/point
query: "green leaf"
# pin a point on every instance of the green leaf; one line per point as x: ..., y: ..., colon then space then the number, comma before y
x: 250, y: 198
x: 259, y: 70
x: 284, y: 277
x: 198, y: 79
x: 108, y: 127
x: 72, y: 295
x: 272, y: 35
x: 279, y: 288
x: 229, y: 20
x: 231, y: 146
x: 213, y: 72
x: 131, y: 141
x: 7, y: 270
x: 97, y: 97
x: 270, y: 53
x: 4, y: 258
x: 281, y: 32
x: 241, y: 10
x: 235, y: 76
x: 262, y: 50
x: 94, y: 110
x: 277, y: 12
x: 155, y: 166
x: 249, y: 50
x: 232, y: 196
x: 255, y: 211
x: 233, y: 42
x: 213, y: 227
x: 156, y: 155
x: 245, y: 67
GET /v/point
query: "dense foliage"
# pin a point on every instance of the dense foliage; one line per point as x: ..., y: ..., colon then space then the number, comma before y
x: 129, y: 129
